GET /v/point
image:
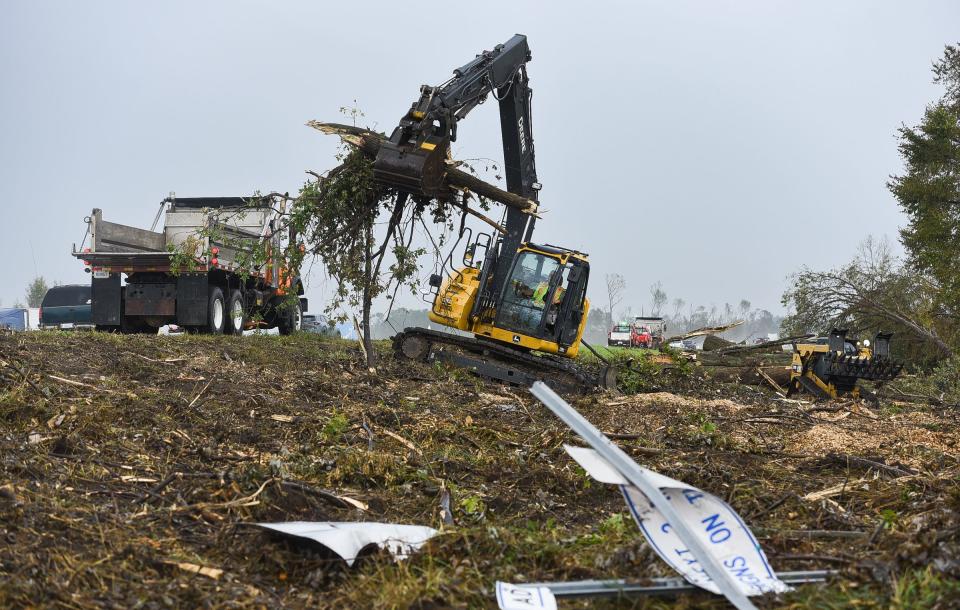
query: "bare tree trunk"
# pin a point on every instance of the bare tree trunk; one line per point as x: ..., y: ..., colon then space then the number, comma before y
x: 367, y: 298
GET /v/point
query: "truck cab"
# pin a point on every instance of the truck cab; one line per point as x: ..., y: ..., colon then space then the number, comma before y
x: 640, y: 336
x: 648, y: 332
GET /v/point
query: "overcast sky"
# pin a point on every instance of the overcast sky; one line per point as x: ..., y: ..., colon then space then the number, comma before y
x: 714, y: 146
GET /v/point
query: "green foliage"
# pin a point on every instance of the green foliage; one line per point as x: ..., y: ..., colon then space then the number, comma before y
x: 636, y: 374
x: 941, y: 383
x: 335, y: 426
x: 911, y: 590
x: 701, y: 430
x: 641, y: 371
x: 473, y: 506
x: 36, y: 290
x: 929, y: 194
x: 614, y: 525
x: 182, y: 257
x: 929, y: 189
x: 890, y: 518
x: 336, y: 217
x: 923, y: 589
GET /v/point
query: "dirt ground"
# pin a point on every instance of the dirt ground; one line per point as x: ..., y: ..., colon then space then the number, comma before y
x: 128, y: 459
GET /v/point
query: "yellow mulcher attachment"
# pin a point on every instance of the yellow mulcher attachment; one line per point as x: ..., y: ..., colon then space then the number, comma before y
x: 829, y: 367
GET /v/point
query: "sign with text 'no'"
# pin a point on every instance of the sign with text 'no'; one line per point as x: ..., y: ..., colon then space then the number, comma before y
x: 713, y: 521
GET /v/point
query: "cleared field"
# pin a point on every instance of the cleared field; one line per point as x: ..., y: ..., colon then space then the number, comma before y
x: 124, y: 456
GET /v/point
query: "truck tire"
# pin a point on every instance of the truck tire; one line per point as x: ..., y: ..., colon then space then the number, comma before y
x: 290, y: 318
x: 216, y: 312
x: 236, y: 315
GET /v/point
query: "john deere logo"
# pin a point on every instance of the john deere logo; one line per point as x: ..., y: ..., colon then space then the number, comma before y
x: 516, y: 338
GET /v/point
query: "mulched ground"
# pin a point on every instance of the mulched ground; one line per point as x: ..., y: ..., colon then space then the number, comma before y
x: 128, y: 459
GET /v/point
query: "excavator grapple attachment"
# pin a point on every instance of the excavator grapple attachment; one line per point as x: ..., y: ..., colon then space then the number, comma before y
x: 411, y: 168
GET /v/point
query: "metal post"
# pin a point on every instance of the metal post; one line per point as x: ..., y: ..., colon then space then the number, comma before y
x: 634, y: 475
x: 655, y: 586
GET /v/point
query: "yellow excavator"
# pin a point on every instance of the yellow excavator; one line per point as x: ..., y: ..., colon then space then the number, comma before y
x: 521, y: 307
x: 830, y: 367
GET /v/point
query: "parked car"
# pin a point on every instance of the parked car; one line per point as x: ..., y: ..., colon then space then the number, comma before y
x: 66, y: 307
x: 319, y: 325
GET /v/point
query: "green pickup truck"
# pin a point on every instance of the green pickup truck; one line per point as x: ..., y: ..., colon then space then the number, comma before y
x: 66, y: 307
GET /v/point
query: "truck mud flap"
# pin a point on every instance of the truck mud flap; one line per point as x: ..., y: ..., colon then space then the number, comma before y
x: 192, y: 295
x: 105, y: 300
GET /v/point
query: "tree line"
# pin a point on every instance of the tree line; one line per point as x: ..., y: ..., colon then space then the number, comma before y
x: 916, y: 295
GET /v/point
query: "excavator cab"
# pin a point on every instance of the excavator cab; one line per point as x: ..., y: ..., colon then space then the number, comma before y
x: 541, y: 307
x: 545, y: 297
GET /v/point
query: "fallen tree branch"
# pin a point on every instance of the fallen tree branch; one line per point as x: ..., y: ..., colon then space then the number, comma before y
x: 776, y: 386
x: 79, y: 384
x: 496, y: 226
x: 764, y: 345
x: 400, y: 440
x: 197, y: 397
x: 341, y: 501
x: 853, y: 460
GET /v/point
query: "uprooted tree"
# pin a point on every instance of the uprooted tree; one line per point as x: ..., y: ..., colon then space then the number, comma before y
x: 363, y: 231
x: 875, y: 291
x: 335, y: 219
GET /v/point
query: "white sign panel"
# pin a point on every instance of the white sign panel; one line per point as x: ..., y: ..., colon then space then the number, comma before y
x: 522, y: 597
x: 348, y: 539
x: 713, y: 521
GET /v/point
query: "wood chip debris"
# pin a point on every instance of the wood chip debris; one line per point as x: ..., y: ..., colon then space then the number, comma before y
x: 214, y: 573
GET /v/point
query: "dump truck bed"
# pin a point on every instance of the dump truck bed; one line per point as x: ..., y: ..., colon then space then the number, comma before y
x: 195, y: 227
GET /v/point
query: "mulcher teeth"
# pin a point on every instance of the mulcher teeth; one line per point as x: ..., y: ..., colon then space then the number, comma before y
x: 877, y: 368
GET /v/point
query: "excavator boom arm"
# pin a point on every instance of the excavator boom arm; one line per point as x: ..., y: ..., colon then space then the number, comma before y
x: 413, y: 159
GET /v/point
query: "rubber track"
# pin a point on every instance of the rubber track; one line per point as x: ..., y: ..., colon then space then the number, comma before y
x: 544, y: 363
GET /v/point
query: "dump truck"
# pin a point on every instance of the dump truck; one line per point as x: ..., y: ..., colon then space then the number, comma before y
x: 205, y: 271
x: 647, y: 332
